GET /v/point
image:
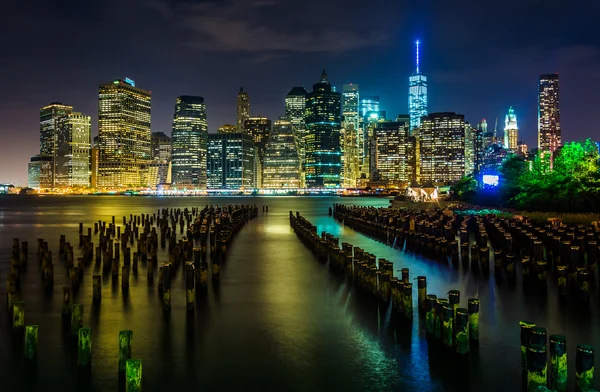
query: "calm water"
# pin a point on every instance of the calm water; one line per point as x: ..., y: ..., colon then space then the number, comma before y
x: 278, y: 320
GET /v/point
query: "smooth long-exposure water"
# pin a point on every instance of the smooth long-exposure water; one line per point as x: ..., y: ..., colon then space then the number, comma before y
x: 277, y: 321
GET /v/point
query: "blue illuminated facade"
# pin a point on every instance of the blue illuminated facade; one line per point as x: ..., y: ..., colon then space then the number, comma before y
x: 323, y: 124
x: 417, y: 96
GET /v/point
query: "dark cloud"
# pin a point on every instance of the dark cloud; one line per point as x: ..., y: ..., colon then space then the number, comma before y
x: 243, y: 26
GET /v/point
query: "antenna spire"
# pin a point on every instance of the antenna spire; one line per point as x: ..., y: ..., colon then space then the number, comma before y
x: 418, y: 56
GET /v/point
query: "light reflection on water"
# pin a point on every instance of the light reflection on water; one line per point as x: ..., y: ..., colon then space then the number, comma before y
x: 277, y: 320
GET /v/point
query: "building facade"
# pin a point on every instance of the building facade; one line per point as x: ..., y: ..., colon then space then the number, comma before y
x: 161, y: 146
x: 295, y: 111
x: 511, y: 131
x: 49, y: 116
x: 281, y: 168
x: 470, y: 136
x: 159, y: 170
x: 230, y: 161
x: 227, y: 128
x: 39, y: 172
x: 442, y: 148
x: 417, y: 96
x: 391, y: 152
x: 549, y: 130
x: 243, y: 109
x: 189, y: 143
x: 72, y: 163
x: 323, y: 124
x: 124, y: 123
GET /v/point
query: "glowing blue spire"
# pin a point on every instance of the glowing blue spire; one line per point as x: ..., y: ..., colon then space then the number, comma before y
x: 417, y: 56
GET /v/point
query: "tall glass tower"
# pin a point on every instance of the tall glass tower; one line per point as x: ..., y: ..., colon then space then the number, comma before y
x: 323, y: 123
x: 49, y: 116
x: 189, y: 138
x: 549, y: 132
x: 243, y: 109
x: 511, y: 131
x: 124, y: 112
x: 417, y: 96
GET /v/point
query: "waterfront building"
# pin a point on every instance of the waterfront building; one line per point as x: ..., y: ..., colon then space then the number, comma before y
x: 470, y: 140
x: 124, y: 123
x: 260, y: 129
x: 295, y: 111
x: 161, y: 146
x: 189, y: 143
x: 231, y: 159
x: 39, y: 172
x: 511, y: 131
x: 350, y: 106
x: 391, y: 140
x: 417, y: 95
x: 243, y: 109
x: 350, y: 143
x: 323, y: 124
x: 442, y: 148
x: 159, y: 170
x: 549, y: 129
x: 73, y: 144
x: 281, y: 168
x: 49, y: 116
x: 227, y: 128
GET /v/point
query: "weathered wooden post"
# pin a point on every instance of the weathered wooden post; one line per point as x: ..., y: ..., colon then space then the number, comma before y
x: 407, y: 301
x: 67, y: 300
x: 166, y: 280
x: 430, y: 314
x: 473, y: 308
x: 133, y: 376
x: 526, y: 327
x: 422, y: 293
x: 76, y: 318
x: 125, y: 338
x: 18, y: 315
x: 557, y: 379
x: 584, y: 367
x: 536, y: 367
x: 31, y: 341
x: 447, y: 325
x: 462, y: 331
x: 189, y: 285
x: 84, y: 346
x: 125, y: 278
x: 562, y: 275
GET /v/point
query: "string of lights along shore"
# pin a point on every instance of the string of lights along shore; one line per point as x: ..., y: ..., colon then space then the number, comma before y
x: 323, y: 140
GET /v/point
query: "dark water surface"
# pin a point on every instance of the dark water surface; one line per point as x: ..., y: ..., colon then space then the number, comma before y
x: 278, y: 320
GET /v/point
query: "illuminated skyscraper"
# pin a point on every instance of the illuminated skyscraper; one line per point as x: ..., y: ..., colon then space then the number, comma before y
x: 73, y: 151
x: 260, y: 130
x: 230, y: 161
x: 189, y: 138
x: 295, y: 111
x: 243, y: 109
x: 549, y: 132
x: 470, y: 140
x: 49, y: 116
x: 417, y: 96
x: 511, y: 131
x: 281, y: 168
x: 442, y: 148
x: 159, y: 171
x: 227, y: 128
x: 350, y: 105
x: 161, y: 146
x: 124, y: 134
x: 350, y: 135
x: 323, y: 123
x: 368, y: 103
x: 38, y: 171
x: 391, y: 140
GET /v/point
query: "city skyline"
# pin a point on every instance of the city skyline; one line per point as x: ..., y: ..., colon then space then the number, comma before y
x: 471, y: 70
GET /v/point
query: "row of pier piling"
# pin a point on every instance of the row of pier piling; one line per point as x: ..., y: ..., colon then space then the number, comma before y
x: 208, y: 234
x: 454, y: 327
x: 480, y: 243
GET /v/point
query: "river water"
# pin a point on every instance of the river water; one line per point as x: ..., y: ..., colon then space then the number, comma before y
x: 278, y: 320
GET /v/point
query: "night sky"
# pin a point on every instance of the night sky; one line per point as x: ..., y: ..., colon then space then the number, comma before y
x: 480, y: 57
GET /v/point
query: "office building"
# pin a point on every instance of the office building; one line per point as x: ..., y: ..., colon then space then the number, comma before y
x: 49, y: 116
x: 350, y: 106
x: 549, y: 130
x: 230, y: 161
x: 189, y: 143
x: 260, y: 129
x: 442, y: 148
x: 391, y: 152
x: 511, y: 131
x: 39, y: 172
x: 72, y: 162
x: 323, y: 124
x: 227, y: 128
x: 368, y: 103
x: 417, y: 95
x: 281, y: 168
x: 243, y: 109
x: 295, y: 111
x: 124, y: 123
x: 161, y: 146
x: 470, y: 140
